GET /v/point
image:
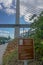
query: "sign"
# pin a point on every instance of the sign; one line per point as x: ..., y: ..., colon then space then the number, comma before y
x: 25, y: 49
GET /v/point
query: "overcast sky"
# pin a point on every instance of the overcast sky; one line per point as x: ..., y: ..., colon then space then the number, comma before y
x: 27, y: 9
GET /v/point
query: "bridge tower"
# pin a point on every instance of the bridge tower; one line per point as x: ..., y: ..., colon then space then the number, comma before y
x: 17, y: 29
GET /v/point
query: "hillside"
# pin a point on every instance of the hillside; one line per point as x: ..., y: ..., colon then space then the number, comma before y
x: 10, y: 56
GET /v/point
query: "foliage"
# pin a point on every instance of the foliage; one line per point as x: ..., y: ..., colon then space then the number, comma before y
x: 38, y: 35
x: 3, y: 39
x: 8, y: 58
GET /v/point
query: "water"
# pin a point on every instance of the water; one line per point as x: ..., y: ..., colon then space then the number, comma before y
x: 2, y: 50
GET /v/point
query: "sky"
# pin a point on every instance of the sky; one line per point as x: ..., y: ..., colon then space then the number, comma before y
x: 27, y: 9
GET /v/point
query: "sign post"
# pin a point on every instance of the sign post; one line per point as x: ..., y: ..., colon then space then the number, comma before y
x: 25, y: 62
x: 26, y: 50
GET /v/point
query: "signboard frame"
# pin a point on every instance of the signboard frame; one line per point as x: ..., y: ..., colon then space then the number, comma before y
x: 33, y: 48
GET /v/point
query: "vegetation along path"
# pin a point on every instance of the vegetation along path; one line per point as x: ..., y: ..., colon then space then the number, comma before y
x: 2, y: 50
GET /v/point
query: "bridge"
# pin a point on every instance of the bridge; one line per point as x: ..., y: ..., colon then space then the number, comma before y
x: 15, y: 25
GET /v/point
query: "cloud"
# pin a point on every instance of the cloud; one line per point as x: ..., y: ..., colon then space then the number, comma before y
x: 30, y: 6
x: 40, y: 7
x: 12, y: 35
x: 26, y: 7
x: 23, y: 31
x: 9, y: 8
x: 6, y: 3
x: 27, y: 17
x: 22, y: 10
x: 10, y: 11
x: 4, y: 33
x: 1, y: 7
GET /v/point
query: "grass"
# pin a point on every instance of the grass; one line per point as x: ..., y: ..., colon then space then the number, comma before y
x: 8, y: 58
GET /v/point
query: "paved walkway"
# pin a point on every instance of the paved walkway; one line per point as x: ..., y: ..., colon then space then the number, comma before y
x: 2, y: 50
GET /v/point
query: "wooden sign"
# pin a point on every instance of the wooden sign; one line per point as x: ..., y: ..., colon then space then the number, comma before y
x: 25, y: 49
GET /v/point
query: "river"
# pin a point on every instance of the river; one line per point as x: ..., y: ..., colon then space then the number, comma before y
x: 2, y: 50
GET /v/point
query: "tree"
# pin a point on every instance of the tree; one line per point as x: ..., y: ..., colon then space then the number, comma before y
x: 38, y: 35
x: 9, y: 37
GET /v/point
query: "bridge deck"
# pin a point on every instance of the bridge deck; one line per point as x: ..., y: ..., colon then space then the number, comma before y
x: 14, y: 25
